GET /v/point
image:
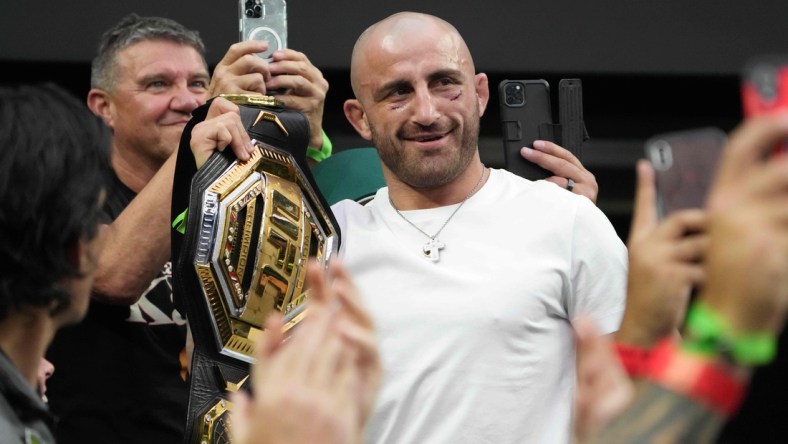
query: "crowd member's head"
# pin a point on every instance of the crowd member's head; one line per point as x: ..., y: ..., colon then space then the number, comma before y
x: 147, y: 78
x: 418, y: 98
x: 53, y: 164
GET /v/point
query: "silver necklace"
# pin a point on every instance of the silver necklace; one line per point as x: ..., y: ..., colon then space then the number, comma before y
x: 431, y: 250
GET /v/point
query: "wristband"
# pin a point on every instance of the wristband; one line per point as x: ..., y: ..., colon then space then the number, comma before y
x: 711, y: 383
x: 634, y: 359
x: 323, y: 153
x: 710, y: 335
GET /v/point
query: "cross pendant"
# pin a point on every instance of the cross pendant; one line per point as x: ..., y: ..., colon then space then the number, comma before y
x: 431, y: 249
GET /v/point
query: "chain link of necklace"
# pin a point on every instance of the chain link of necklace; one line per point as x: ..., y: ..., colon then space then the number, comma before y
x: 434, y: 245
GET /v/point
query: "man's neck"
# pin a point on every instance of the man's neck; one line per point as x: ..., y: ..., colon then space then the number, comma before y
x: 24, y: 338
x: 133, y: 169
x: 407, y: 198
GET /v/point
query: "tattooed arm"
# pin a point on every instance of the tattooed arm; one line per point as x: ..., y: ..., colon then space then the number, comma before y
x: 660, y: 415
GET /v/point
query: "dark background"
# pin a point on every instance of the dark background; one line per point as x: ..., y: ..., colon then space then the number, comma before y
x: 647, y: 66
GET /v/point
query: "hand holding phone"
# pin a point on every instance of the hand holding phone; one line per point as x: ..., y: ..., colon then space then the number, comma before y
x: 525, y: 116
x: 264, y: 20
x: 685, y: 163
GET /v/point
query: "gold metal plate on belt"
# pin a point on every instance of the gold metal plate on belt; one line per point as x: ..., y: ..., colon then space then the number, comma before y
x: 260, y: 223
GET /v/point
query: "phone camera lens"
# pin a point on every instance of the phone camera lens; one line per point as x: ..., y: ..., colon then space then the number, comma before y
x: 514, y: 94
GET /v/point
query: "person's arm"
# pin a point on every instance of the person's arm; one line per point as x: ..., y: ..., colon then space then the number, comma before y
x: 138, y: 242
x: 660, y: 415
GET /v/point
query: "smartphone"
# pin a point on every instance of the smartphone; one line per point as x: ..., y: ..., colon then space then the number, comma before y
x: 765, y: 89
x: 264, y: 20
x: 684, y: 163
x: 526, y: 116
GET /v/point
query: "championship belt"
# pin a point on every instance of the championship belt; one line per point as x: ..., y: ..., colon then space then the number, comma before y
x: 250, y: 229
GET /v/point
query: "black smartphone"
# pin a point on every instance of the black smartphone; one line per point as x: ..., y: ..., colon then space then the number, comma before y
x: 765, y: 89
x: 684, y: 163
x: 263, y: 20
x: 526, y: 116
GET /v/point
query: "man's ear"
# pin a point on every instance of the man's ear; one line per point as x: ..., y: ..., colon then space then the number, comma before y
x: 357, y: 117
x: 100, y: 102
x: 482, y: 91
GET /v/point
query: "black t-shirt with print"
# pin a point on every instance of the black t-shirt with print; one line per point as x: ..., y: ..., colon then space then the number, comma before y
x: 117, y: 374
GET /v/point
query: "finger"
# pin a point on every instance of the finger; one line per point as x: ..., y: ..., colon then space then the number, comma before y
x: 348, y: 294
x: 682, y: 223
x: 299, y: 87
x: 221, y: 106
x: 240, y: 49
x: 644, y: 214
x: 274, y: 336
x: 696, y: 275
x: 772, y: 179
x: 247, y: 64
x: 307, y: 341
x: 252, y: 83
x: 295, y: 64
x: 553, y: 149
x: 208, y: 137
x: 241, y: 417
x: 326, y: 362
x: 749, y: 143
x: 319, y: 290
x: 289, y: 54
x: 557, y: 165
x: 269, y: 343
x: 690, y: 249
x: 223, y: 127
x: 240, y: 142
x: 363, y: 341
x: 344, y: 385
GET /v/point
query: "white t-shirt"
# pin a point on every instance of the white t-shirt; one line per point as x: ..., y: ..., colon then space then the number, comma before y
x: 478, y: 347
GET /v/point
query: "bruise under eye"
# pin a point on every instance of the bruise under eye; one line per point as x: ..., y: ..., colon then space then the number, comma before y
x: 456, y: 95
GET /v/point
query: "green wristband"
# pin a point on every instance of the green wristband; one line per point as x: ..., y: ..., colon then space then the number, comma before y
x: 709, y: 334
x: 323, y: 153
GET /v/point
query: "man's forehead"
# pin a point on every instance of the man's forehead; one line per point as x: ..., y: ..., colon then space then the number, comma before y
x: 149, y: 56
x: 414, y: 57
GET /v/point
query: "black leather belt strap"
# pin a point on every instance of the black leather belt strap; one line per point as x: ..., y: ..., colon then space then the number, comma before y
x: 214, y: 373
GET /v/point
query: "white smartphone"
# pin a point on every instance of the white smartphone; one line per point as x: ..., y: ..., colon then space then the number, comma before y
x: 264, y: 20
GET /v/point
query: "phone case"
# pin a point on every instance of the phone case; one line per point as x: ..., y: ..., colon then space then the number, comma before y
x: 263, y: 20
x: 765, y: 89
x: 684, y: 163
x: 526, y: 116
x: 570, y: 116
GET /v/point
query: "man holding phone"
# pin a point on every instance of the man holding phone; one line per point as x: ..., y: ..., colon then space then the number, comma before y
x: 119, y: 374
x: 472, y: 275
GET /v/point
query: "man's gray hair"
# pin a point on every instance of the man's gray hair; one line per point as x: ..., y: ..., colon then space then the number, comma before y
x: 133, y: 29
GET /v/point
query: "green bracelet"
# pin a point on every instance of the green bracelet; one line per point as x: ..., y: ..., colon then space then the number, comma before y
x: 323, y: 153
x: 709, y: 334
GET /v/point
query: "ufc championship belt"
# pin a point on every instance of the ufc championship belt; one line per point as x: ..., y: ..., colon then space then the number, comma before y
x: 249, y: 231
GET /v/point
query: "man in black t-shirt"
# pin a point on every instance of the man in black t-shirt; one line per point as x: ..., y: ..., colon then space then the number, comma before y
x: 119, y: 374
